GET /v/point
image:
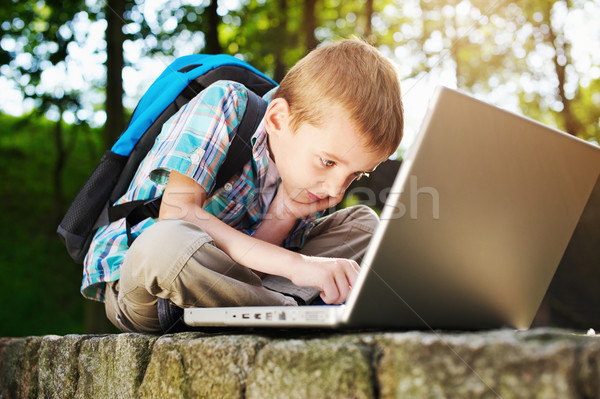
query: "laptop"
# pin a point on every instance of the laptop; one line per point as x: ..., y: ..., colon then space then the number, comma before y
x: 471, y: 234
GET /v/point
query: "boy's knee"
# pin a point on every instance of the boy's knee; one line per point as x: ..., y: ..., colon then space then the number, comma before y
x: 161, y: 247
x: 169, y: 234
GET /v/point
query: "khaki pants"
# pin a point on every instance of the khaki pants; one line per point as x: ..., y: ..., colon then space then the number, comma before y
x: 177, y: 260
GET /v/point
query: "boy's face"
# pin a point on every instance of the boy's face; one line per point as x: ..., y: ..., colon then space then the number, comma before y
x: 317, y: 162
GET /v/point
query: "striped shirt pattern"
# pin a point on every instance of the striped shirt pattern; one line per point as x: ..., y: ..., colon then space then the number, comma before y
x: 193, y: 142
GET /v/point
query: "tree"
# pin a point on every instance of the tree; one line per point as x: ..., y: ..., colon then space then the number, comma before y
x: 213, y: 20
x: 36, y: 36
x: 570, y: 105
x: 114, y: 11
x: 309, y: 24
x: 521, y: 49
x: 266, y: 34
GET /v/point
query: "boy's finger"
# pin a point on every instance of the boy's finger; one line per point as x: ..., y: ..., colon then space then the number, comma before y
x: 344, y: 289
x: 330, y: 292
x: 353, y: 273
x: 352, y: 277
x: 326, y: 203
x: 333, y: 201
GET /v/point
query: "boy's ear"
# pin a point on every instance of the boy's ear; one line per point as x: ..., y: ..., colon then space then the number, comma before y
x: 277, y: 117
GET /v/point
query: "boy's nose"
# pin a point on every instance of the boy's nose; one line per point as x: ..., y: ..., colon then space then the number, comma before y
x: 337, y: 186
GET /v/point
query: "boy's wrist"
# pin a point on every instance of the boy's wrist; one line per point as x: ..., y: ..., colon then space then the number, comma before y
x: 291, y: 264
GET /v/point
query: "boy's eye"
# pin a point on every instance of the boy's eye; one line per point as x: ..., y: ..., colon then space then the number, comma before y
x: 327, y: 162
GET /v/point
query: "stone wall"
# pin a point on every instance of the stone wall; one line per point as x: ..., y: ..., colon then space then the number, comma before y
x: 539, y: 363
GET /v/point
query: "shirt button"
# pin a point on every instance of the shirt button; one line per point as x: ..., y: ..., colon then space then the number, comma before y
x: 195, y: 158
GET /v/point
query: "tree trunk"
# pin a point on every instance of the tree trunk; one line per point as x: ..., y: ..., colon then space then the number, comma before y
x: 95, y: 320
x: 59, y: 164
x: 115, y: 113
x: 571, y: 124
x: 310, y: 24
x: 558, y: 42
x: 280, y: 68
x: 368, y: 24
x: 211, y: 36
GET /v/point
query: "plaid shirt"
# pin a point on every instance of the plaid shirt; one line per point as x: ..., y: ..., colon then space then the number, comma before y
x: 193, y: 142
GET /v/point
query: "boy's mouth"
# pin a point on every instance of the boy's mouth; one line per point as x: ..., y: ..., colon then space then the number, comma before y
x: 313, y: 197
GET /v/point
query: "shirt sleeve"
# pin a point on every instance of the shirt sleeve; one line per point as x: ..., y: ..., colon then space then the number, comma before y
x: 195, y: 141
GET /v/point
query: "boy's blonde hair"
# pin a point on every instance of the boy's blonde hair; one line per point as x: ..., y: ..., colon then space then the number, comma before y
x: 356, y: 76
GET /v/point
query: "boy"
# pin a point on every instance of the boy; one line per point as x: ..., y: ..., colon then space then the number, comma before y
x: 259, y: 240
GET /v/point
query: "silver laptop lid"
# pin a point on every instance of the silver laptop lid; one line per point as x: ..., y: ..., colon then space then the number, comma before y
x: 478, y: 218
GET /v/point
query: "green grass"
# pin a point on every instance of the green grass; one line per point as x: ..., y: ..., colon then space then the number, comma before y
x: 39, y: 283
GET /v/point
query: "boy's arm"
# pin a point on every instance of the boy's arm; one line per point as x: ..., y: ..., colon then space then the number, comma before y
x: 283, y: 214
x: 183, y: 199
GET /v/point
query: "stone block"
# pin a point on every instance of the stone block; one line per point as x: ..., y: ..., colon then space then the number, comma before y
x: 113, y: 366
x: 507, y: 364
x: 335, y: 367
x: 19, y: 367
x: 539, y: 363
x: 192, y: 365
x: 58, y: 374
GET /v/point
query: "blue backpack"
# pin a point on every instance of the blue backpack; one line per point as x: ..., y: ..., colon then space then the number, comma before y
x: 181, y: 81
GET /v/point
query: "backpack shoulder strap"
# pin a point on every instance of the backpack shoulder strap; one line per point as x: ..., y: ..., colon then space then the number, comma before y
x: 240, y: 150
x: 239, y: 153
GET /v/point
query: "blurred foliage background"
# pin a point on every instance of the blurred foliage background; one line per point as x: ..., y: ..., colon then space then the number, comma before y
x: 72, y: 72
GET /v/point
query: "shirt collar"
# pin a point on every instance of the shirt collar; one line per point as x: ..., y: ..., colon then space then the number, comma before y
x: 259, y: 139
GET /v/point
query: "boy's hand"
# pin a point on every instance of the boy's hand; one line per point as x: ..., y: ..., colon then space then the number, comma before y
x: 333, y: 277
x: 283, y: 213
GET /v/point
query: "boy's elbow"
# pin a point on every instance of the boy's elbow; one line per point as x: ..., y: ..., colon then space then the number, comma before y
x: 182, y: 199
x: 168, y: 213
x: 178, y: 210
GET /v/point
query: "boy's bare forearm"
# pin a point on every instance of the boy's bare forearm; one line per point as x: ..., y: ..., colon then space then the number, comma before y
x: 255, y: 253
x: 275, y: 228
x: 183, y: 199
